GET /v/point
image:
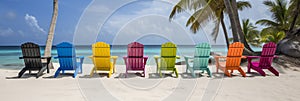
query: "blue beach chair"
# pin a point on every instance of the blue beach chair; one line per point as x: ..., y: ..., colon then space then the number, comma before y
x: 67, y: 59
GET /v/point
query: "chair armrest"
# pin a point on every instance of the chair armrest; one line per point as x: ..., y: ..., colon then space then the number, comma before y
x: 276, y: 56
x: 21, y: 58
x: 125, y: 57
x: 177, y: 57
x: 91, y: 57
x: 114, y: 57
x: 48, y: 59
x: 81, y: 58
x: 145, y: 59
x: 211, y: 57
x: 188, y: 57
x: 219, y: 57
x: 251, y: 57
x: 244, y: 57
x: 156, y: 57
x: 55, y: 57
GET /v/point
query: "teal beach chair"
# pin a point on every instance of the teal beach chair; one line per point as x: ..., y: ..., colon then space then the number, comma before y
x: 200, y: 59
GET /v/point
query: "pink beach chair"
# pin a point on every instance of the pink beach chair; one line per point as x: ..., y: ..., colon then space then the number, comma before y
x: 135, y: 59
x: 265, y: 60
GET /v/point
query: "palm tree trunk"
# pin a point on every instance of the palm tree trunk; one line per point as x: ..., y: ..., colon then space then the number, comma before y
x: 239, y: 28
x: 232, y: 22
x: 295, y: 16
x: 48, y: 47
x: 224, y: 30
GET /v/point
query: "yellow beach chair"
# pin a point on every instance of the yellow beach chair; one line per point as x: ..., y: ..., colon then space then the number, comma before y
x: 102, y: 59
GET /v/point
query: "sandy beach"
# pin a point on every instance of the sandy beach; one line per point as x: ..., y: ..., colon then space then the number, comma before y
x: 151, y: 88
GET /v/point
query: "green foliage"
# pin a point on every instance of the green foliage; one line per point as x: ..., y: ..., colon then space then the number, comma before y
x: 251, y: 34
x: 204, y: 11
x: 273, y: 37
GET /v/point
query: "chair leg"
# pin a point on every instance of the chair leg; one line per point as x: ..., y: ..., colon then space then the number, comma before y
x: 242, y: 72
x: 40, y: 73
x: 126, y: 73
x: 76, y: 72
x: 176, y: 73
x: 92, y: 72
x: 259, y: 70
x: 193, y: 73
x: 187, y: 68
x: 144, y: 73
x: 110, y: 72
x: 227, y: 73
x: 160, y: 74
x: 208, y: 72
x: 22, y: 72
x: 57, y: 72
x: 274, y: 71
x: 249, y: 68
x: 81, y: 69
x: 217, y: 69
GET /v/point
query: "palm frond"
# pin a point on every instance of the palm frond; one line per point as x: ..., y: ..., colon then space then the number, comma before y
x: 241, y: 5
x: 266, y: 22
x: 184, y: 5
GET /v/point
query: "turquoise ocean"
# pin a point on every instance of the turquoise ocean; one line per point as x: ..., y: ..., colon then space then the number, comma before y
x: 9, y: 55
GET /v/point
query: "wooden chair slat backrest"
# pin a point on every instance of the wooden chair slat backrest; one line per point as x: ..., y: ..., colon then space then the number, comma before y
x: 234, y: 54
x: 32, y: 56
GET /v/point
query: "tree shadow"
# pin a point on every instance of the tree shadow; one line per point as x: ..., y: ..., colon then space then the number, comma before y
x: 61, y: 75
x: 96, y: 75
x: 164, y: 75
x: 130, y: 75
x: 24, y: 76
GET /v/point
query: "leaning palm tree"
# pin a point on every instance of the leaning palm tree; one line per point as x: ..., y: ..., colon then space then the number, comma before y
x: 48, y: 47
x: 205, y: 11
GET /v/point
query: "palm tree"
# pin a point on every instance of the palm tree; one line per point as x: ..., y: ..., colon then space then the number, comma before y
x: 280, y: 16
x: 48, y: 47
x: 294, y: 11
x: 251, y: 34
x: 204, y: 11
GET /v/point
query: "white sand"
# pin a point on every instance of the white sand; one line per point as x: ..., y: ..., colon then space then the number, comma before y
x: 135, y: 88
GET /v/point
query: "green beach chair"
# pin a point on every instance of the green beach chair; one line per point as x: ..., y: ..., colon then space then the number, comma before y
x: 200, y: 59
x: 166, y: 61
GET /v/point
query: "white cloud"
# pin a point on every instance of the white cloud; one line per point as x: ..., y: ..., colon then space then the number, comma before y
x: 11, y: 15
x: 5, y: 31
x: 33, y: 22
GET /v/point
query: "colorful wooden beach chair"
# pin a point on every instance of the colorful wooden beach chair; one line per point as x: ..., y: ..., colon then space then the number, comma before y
x: 265, y: 60
x: 33, y: 59
x: 166, y: 61
x: 102, y: 59
x: 67, y: 59
x: 135, y: 59
x: 233, y: 59
x: 200, y: 59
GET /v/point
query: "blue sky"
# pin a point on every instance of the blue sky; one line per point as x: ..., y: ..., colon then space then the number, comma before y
x: 114, y: 22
